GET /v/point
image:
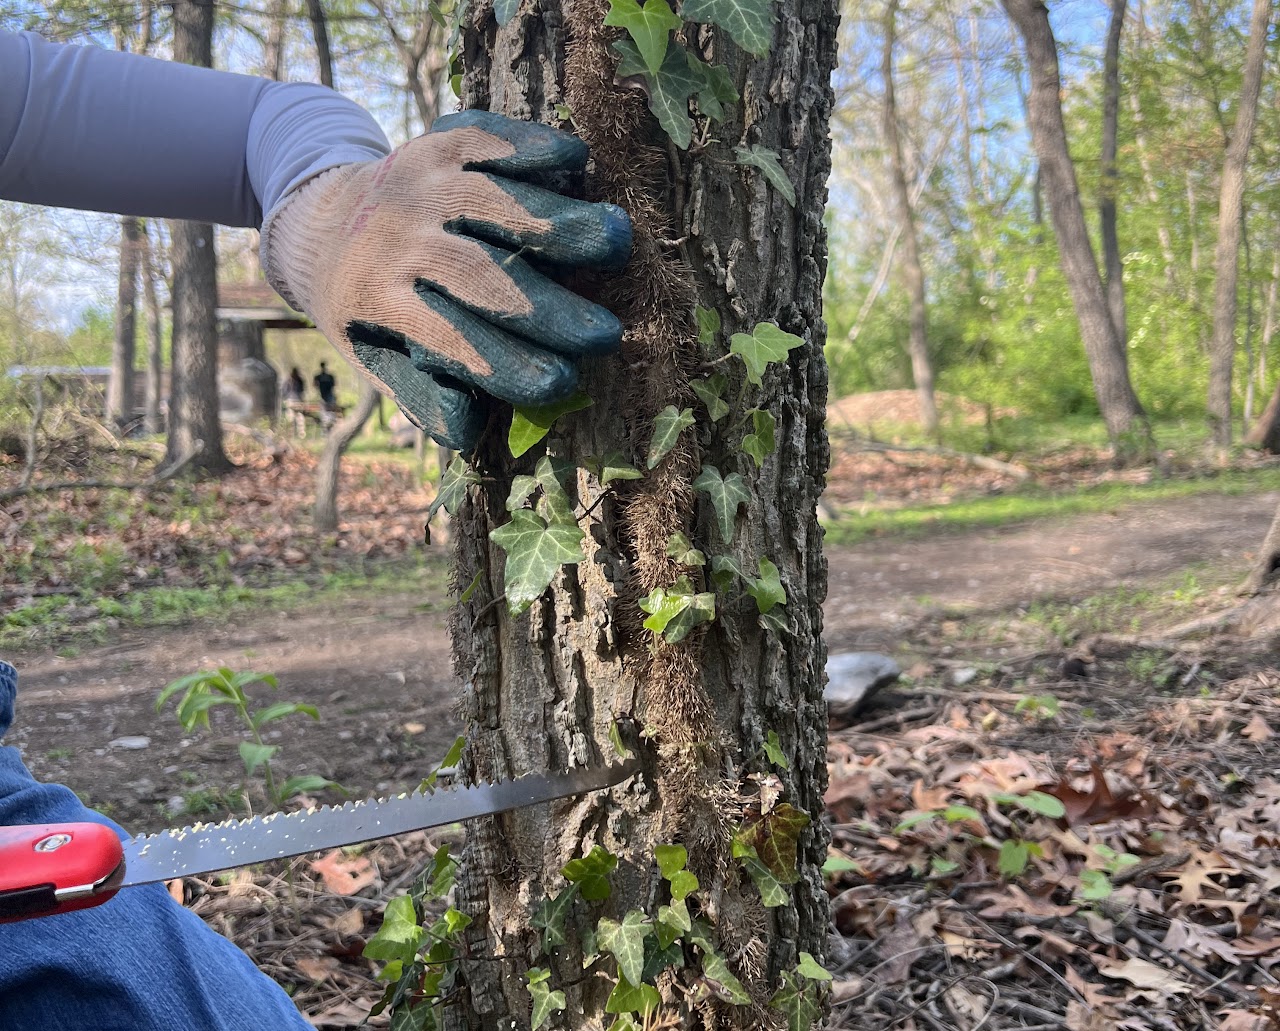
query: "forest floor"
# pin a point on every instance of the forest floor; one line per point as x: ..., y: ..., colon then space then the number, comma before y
x: 1154, y: 904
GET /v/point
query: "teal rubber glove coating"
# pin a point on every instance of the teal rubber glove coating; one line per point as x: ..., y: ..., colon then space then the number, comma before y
x: 426, y: 268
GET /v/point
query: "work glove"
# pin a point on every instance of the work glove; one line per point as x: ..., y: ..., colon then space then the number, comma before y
x: 424, y: 269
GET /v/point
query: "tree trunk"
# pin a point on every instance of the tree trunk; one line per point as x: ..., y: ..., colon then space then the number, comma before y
x: 273, y: 51
x: 194, y: 428
x: 1266, y: 568
x: 155, y: 338
x: 1230, y: 220
x: 1113, y: 277
x: 320, y: 31
x: 1127, y: 424
x: 120, y: 387
x: 912, y: 269
x: 544, y: 688
x: 327, y: 469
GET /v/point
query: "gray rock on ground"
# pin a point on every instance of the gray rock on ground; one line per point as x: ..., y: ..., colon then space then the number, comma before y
x: 853, y: 678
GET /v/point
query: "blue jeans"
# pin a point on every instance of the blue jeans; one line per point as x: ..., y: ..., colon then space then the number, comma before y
x: 139, y: 962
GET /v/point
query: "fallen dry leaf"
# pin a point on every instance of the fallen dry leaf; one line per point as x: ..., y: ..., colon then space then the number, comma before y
x: 348, y: 924
x: 1142, y: 974
x: 1257, y: 730
x: 342, y: 875
x: 317, y: 968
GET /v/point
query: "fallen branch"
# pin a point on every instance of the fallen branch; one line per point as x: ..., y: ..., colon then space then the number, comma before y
x: 33, y: 435
x: 158, y: 477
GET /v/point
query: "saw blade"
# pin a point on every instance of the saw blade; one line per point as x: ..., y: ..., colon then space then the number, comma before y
x: 205, y: 848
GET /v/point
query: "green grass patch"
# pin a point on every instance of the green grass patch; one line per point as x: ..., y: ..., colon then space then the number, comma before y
x: 1033, y: 503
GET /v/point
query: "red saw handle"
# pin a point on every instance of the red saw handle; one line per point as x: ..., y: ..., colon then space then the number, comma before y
x: 57, y: 868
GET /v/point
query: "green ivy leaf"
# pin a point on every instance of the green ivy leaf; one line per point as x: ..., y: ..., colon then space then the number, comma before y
x: 1095, y: 885
x: 591, y: 873
x: 625, y: 942
x: 657, y: 957
x: 960, y: 813
x: 727, y: 493
x: 550, y: 915
x: 812, y: 969
x: 766, y: 161
x: 254, y: 755
x: 749, y: 22
x: 1013, y: 858
x: 763, y: 441
x: 554, y: 505
x: 676, y: 915
x: 545, y: 1001
x: 773, y: 749
x: 624, y: 1022
x: 667, y: 427
x: 772, y: 893
x: 615, y: 467
x: 767, y: 590
x: 529, y: 425
x: 1037, y: 802
x: 717, y: 87
x: 680, y: 548
x: 458, y: 476
x: 671, y: 859
x: 535, y: 551
x: 724, y: 570
x: 774, y: 835
x: 615, y: 739
x: 765, y: 345
x: 628, y: 998
x: 683, y: 885
x: 399, y: 936
x: 522, y: 488
x: 708, y: 320
x: 710, y: 392
x: 721, y: 981
x: 504, y: 11
x: 669, y: 90
x: 674, y: 611
x: 438, y: 880
x: 650, y: 26
x: 451, y: 758
x: 797, y: 1001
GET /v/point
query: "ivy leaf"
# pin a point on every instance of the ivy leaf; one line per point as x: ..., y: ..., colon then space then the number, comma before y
x: 669, y: 90
x: 772, y: 893
x: 505, y: 10
x: 727, y: 493
x: 676, y: 915
x: 674, y: 611
x: 773, y: 835
x: 591, y: 873
x: 545, y: 1001
x: 615, y: 739
x: 724, y: 570
x: 535, y: 552
x: 625, y: 942
x: 683, y: 885
x: 399, y: 936
x: 650, y: 26
x: 554, y: 506
x: 749, y: 22
x: 680, y: 548
x: 722, y: 982
x: 812, y: 969
x: 1013, y: 858
x: 717, y: 87
x: 451, y: 758
x: 530, y: 425
x: 762, y: 442
x: 765, y: 345
x: 767, y: 161
x: 615, y: 467
x: 522, y: 488
x: 624, y: 1022
x: 657, y: 957
x: 767, y: 590
x: 458, y: 476
x: 550, y: 917
x: 1095, y: 885
x: 773, y: 749
x: 773, y: 620
x: 671, y: 859
x: 710, y: 392
x: 708, y: 320
x: 667, y: 427
x: 628, y: 998
x: 797, y: 1001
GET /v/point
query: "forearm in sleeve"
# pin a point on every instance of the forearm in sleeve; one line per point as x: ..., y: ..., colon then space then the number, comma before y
x: 85, y: 127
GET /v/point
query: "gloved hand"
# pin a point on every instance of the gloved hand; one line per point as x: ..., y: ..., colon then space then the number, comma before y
x: 413, y: 266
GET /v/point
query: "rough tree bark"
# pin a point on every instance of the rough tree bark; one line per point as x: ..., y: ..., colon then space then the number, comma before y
x: 155, y: 337
x: 120, y: 393
x: 320, y: 32
x: 912, y: 268
x: 544, y: 688
x: 194, y: 428
x: 325, y: 512
x: 1230, y: 222
x: 1113, y: 267
x: 1127, y: 423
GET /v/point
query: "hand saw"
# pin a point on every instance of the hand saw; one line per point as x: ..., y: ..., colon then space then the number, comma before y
x: 58, y: 868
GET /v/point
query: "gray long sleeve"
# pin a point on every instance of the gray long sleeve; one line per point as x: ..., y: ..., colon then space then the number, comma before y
x: 85, y: 127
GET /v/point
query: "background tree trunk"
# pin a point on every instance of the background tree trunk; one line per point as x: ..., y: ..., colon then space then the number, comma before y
x: 1127, y: 424
x: 155, y: 336
x: 320, y: 32
x: 193, y: 391
x: 1265, y: 432
x: 544, y: 688
x: 120, y: 393
x: 329, y: 466
x: 1112, y: 264
x: 1230, y: 225
x: 912, y: 269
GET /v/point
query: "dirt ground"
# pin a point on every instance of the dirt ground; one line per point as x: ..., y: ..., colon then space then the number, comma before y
x: 382, y: 679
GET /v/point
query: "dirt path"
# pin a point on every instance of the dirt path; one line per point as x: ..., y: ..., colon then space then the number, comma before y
x: 383, y: 681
